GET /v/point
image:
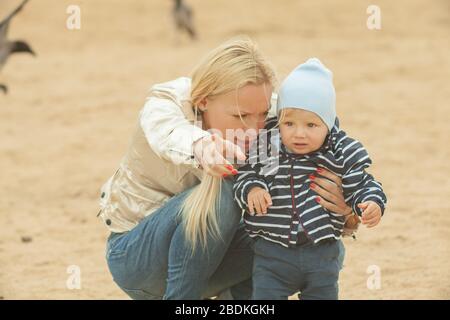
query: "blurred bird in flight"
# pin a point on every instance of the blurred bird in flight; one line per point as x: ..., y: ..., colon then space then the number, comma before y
x: 8, y: 47
x: 183, y: 17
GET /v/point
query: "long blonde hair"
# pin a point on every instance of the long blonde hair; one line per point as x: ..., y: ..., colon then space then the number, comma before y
x: 230, y: 66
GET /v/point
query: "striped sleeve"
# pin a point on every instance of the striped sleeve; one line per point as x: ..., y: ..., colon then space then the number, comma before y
x: 247, y: 179
x: 358, y: 185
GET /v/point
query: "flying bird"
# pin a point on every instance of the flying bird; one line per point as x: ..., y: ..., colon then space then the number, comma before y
x: 8, y: 47
x: 183, y: 17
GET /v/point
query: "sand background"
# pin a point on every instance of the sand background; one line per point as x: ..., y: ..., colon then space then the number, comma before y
x: 71, y: 111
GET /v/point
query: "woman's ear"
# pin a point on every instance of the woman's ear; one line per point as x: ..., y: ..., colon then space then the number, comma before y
x: 202, y: 105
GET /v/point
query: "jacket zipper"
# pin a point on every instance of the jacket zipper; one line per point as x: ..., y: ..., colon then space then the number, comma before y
x: 294, y: 207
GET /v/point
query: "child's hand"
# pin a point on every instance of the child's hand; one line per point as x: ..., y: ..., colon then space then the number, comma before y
x: 371, y: 214
x: 259, y: 199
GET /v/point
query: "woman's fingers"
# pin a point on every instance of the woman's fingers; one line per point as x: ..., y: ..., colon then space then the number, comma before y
x: 339, y: 205
x: 332, y: 193
x: 233, y: 151
x: 327, y: 174
x: 210, y: 153
x: 210, y: 171
x: 218, y: 171
x: 218, y: 166
x: 227, y: 148
x: 328, y: 185
x: 225, y: 170
x: 324, y: 193
x: 328, y: 205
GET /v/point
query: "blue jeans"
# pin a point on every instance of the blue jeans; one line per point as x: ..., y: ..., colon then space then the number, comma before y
x: 279, y: 272
x: 155, y: 261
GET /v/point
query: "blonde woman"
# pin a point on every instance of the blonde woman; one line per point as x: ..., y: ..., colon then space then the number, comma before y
x: 176, y: 232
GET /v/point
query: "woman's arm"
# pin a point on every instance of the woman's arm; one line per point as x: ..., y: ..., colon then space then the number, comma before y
x: 174, y: 137
x: 331, y: 192
x: 168, y: 132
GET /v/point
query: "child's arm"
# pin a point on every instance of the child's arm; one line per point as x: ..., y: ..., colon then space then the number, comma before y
x: 251, y: 190
x: 361, y: 190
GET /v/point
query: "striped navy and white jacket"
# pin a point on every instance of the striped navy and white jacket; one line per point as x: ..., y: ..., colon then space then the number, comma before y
x: 286, y: 177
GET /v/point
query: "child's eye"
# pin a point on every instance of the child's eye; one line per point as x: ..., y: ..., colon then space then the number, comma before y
x: 312, y: 125
x: 241, y: 116
x: 288, y: 123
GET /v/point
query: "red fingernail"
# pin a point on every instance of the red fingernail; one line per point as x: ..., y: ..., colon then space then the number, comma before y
x: 229, y: 167
x: 234, y: 171
x: 224, y: 175
x: 312, y: 177
x: 319, y: 170
x: 312, y: 185
x: 317, y: 199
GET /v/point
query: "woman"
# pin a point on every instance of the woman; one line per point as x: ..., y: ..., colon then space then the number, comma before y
x: 176, y: 232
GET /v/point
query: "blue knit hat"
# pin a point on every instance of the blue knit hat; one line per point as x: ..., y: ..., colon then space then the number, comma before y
x: 310, y: 87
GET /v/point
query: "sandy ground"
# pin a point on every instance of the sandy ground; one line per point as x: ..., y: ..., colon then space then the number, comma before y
x: 71, y: 111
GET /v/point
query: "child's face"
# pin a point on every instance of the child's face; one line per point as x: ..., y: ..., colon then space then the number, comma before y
x: 302, y: 131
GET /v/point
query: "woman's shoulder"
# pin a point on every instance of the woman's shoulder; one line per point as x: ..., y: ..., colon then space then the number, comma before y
x: 168, y: 98
x: 180, y: 88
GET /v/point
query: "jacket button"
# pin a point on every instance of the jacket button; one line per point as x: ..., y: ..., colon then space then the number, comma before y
x: 103, y: 195
x: 108, y: 222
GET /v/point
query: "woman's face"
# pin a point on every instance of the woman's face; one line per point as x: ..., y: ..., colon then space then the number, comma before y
x: 235, y: 112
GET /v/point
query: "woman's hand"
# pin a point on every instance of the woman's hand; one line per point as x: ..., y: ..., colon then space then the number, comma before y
x: 212, y: 153
x: 331, y: 195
